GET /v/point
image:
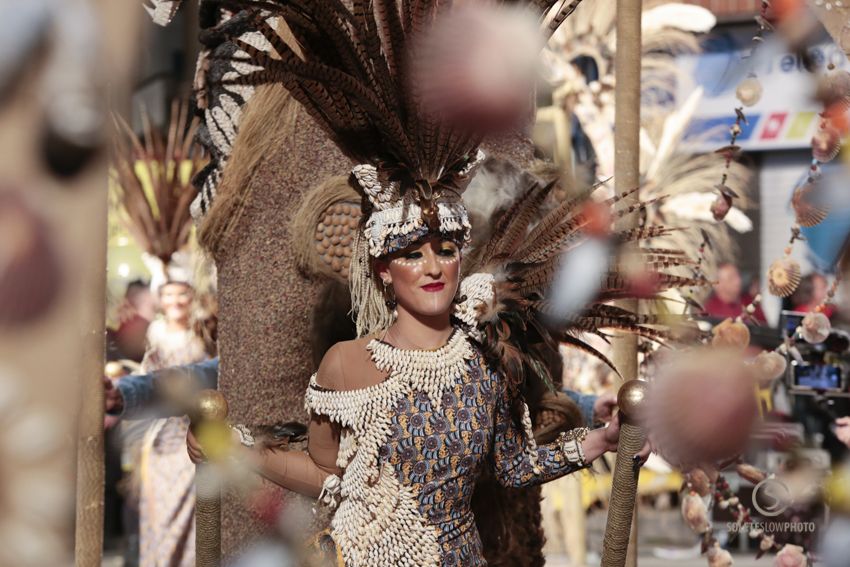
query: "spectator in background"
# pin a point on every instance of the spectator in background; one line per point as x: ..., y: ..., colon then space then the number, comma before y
x: 727, y: 299
x: 167, y: 495
x: 135, y: 313
x: 810, y: 293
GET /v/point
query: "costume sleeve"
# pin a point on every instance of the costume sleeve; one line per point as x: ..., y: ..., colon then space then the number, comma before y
x: 518, y: 461
x: 585, y: 403
x: 139, y: 391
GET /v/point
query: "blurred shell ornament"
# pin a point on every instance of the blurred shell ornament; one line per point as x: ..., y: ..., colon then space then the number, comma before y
x: 826, y: 143
x: 718, y: 557
x: 730, y: 334
x: 749, y: 91
x: 783, y: 277
x: 750, y: 473
x: 807, y: 211
x: 791, y: 556
x: 30, y: 274
x: 833, y: 86
x: 702, y: 406
x: 815, y: 327
x: 477, y: 66
x: 34, y: 495
x: 695, y: 513
x: 769, y: 366
x: 721, y: 207
x: 837, y: 115
x: 698, y: 481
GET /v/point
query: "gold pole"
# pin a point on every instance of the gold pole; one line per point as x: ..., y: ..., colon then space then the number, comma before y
x: 620, y: 530
x: 211, y: 412
x: 619, y: 548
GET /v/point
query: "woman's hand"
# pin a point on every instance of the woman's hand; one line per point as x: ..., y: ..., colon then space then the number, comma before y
x: 606, y: 439
x: 196, y: 453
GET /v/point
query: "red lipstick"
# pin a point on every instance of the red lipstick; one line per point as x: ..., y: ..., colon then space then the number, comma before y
x: 434, y: 287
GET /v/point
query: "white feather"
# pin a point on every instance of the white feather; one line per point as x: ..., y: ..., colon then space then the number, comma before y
x: 738, y: 220
x: 491, y: 189
x: 686, y: 17
x: 577, y: 280
x: 674, y: 128
x: 697, y: 206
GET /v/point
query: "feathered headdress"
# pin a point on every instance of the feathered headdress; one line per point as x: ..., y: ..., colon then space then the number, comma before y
x: 152, y: 183
x: 349, y: 68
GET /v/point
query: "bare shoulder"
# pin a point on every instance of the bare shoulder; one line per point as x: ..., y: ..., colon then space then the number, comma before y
x: 347, y: 366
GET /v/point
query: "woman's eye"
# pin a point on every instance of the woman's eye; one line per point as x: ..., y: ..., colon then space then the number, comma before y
x: 449, y: 252
x: 413, y: 255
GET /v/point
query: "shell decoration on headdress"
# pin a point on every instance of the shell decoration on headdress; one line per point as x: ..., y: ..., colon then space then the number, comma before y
x: 398, y: 219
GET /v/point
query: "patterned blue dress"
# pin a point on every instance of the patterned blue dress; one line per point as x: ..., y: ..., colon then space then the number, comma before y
x: 434, y: 438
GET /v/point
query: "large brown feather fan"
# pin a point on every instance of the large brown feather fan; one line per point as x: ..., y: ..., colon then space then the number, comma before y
x: 348, y: 68
x: 516, y: 330
x: 152, y: 173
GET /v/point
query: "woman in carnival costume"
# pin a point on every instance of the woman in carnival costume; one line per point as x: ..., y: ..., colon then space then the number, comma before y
x: 406, y: 418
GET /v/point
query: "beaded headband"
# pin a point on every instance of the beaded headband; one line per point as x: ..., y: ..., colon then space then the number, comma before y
x: 399, y: 219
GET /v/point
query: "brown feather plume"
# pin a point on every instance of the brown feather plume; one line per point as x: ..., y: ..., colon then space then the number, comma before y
x: 347, y: 64
x: 153, y: 187
x: 517, y: 327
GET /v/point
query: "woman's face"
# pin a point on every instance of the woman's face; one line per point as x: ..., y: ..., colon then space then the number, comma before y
x: 175, y: 300
x: 424, y: 277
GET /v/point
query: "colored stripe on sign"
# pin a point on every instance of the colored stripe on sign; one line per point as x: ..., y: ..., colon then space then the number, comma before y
x: 800, y: 125
x: 717, y: 129
x: 773, y: 125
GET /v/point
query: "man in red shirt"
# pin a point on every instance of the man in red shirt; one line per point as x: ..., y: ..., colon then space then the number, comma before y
x: 727, y: 300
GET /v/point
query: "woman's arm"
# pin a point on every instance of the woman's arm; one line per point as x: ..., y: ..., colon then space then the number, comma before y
x: 512, y: 458
x: 303, y: 472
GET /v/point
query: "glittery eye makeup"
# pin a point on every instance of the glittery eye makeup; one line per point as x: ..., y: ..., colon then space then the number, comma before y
x: 447, y: 254
x: 410, y: 259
